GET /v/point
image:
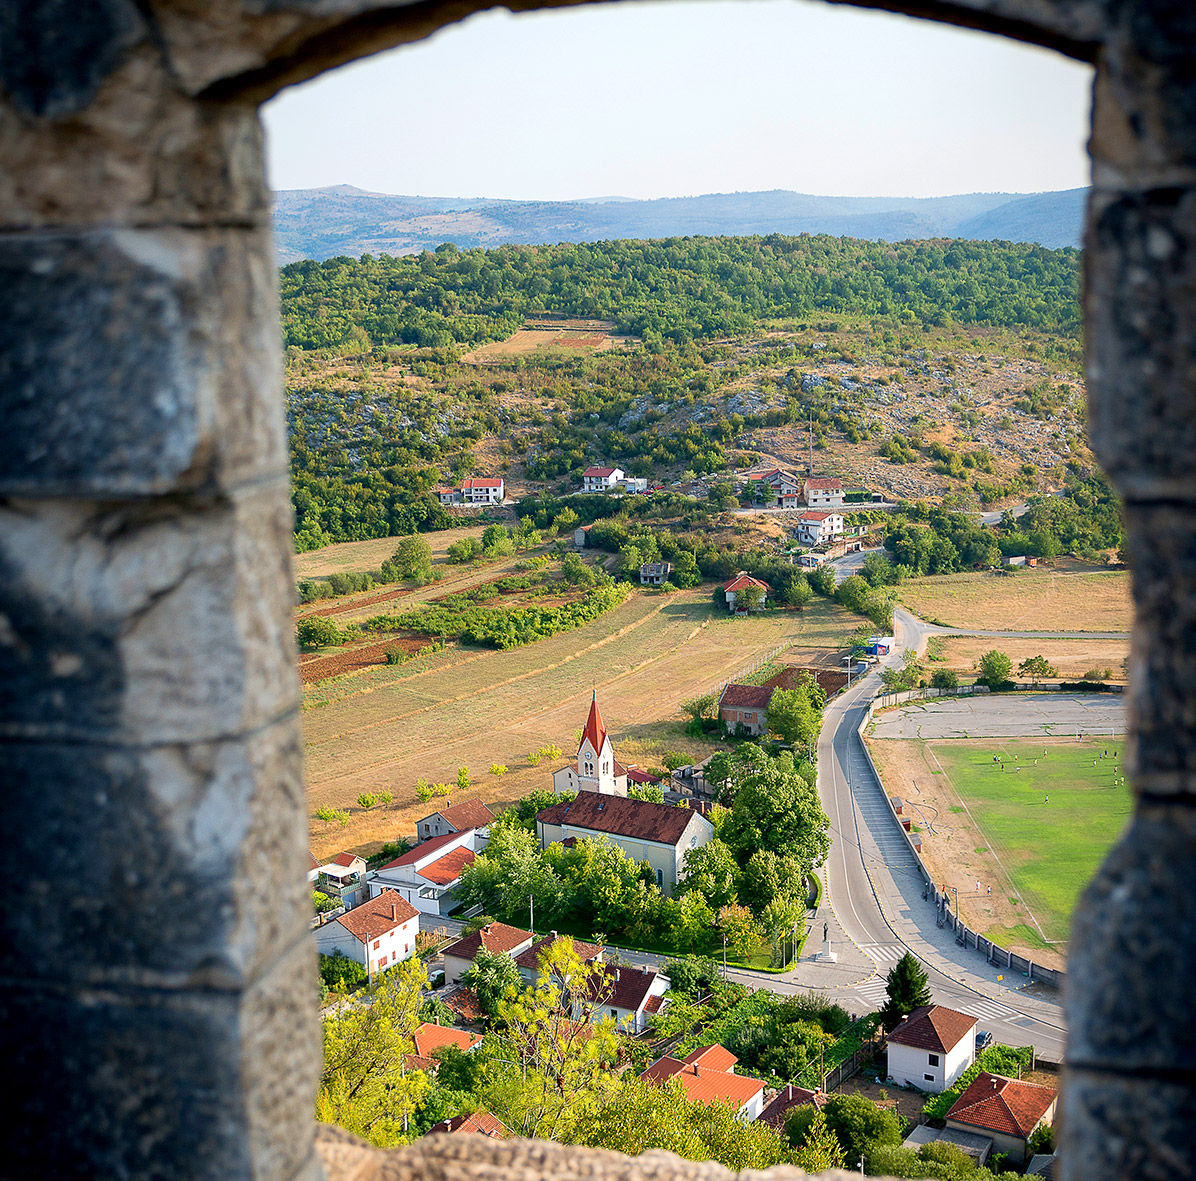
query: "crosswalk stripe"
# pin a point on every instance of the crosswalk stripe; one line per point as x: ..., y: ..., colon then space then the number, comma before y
x: 882, y: 952
x: 987, y: 1009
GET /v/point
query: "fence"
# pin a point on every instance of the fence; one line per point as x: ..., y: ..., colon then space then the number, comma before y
x: 963, y: 934
x: 884, y: 700
x: 849, y: 1067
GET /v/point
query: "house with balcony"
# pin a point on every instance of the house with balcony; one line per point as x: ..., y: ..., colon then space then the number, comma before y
x: 816, y: 526
x: 343, y: 880
x: 484, y: 490
x: 601, y: 479
x: 823, y: 492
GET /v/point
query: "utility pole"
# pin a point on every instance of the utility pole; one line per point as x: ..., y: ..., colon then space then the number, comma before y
x: 724, y: 957
x: 531, y: 912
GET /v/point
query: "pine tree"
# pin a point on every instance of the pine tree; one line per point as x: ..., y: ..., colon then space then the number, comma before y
x: 907, y: 988
x: 820, y: 1150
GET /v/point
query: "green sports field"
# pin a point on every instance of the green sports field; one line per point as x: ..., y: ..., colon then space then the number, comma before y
x: 1049, y: 849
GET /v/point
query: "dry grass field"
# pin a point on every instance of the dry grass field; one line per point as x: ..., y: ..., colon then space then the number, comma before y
x: 1072, y: 658
x: 590, y: 336
x: 350, y: 556
x: 1041, y: 599
x: 385, y: 728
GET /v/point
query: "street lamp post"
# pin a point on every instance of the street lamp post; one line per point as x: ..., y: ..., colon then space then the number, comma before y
x: 724, y: 957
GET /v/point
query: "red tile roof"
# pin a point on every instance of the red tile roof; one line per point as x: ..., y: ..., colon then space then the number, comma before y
x: 423, y: 850
x: 713, y: 1057
x: 429, y: 1038
x: 530, y: 958
x: 496, y: 938
x: 479, y: 1123
x: 595, y: 729
x: 464, y: 1002
x: 825, y: 484
x: 741, y: 580
x: 703, y: 1085
x: 653, y: 1005
x: 635, y: 775
x: 933, y: 1027
x: 999, y: 1104
x: 345, y: 859
x: 620, y: 816
x: 467, y: 814
x: 817, y: 515
x: 314, y: 863
x: 374, y: 918
x: 745, y: 697
x: 784, y: 1101
x: 447, y: 868
x: 482, y: 484
x: 598, y: 472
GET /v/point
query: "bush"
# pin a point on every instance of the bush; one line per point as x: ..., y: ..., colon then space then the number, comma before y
x: 672, y: 759
x: 340, y: 973
x: 944, y: 678
x: 1084, y: 686
x: 321, y: 903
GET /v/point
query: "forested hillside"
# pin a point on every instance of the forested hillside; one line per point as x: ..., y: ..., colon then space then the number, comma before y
x: 927, y: 369
x: 679, y: 289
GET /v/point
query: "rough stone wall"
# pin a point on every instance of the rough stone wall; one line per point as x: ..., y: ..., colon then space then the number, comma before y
x: 159, y: 992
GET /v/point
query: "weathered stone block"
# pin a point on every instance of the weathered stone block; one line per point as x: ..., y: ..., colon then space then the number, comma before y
x: 1144, y: 1128
x: 1130, y: 1005
x: 1140, y: 297
x: 151, y: 622
x: 138, y: 362
x: 163, y: 867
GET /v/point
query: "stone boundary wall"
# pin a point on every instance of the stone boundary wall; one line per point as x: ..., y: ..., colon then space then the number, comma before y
x: 887, y: 700
x: 963, y: 934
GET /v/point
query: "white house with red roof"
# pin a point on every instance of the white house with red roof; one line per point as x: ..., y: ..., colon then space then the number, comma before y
x: 484, y: 490
x: 377, y: 934
x: 823, y: 492
x: 932, y: 1047
x: 429, y: 874
x: 601, y: 479
x: 629, y: 996
x: 707, y: 1076
x: 775, y: 486
x: 429, y: 1038
x: 739, y: 582
x: 595, y: 768
x: 816, y: 526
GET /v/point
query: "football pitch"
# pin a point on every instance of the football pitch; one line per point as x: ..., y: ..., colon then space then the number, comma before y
x: 1049, y: 810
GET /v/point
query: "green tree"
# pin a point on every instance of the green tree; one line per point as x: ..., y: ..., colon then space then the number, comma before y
x: 798, y: 593
x: 710, y: 869
x: 412, y: 559
x: 994, y: 668
x: 907, y: 987
x: 944, y: 678
x: 777, y: 808
x: 859, y: 1125
x: 691, y: 975
x: 364, y: 1086
x: 462, y: 778
x: 1037, y: 667
x: 767, y: 877
x: 749, y: 598
x: 651, y: 793
x: 791, y: 715
x: 700, y: 707
x: 318, y: 631
x: 739, y: 926
x: 493, y: 974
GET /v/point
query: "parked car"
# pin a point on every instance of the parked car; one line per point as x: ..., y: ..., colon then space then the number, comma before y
x: 984, y: 1039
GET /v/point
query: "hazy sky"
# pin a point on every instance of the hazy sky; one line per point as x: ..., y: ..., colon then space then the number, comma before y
x: 681, y: 98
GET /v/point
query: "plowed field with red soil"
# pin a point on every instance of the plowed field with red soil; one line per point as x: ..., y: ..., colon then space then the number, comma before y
x: 346, y: 660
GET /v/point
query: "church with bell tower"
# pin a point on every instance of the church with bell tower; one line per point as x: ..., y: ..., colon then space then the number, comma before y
x: 595, y: 768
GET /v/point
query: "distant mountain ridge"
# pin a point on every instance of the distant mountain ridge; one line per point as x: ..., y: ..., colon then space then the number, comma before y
x: 344, y: 220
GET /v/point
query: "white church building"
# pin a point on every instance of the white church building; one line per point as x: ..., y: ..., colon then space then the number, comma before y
x: 596, y: 768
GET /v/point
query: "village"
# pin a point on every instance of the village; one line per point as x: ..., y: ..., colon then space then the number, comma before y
x: 400, y: 913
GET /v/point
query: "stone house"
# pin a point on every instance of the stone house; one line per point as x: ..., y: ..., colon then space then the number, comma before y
x: 655, y: 573
x: 660, y: 834
x: 746, y: 706
x: 932, y: 1047
x: 377, y: 934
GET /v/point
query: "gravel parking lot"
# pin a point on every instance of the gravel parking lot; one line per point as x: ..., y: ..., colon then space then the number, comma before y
x: 1012, y: 715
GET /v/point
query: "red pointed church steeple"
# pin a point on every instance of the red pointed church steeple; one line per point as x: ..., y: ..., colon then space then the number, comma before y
x: 595, y: 729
